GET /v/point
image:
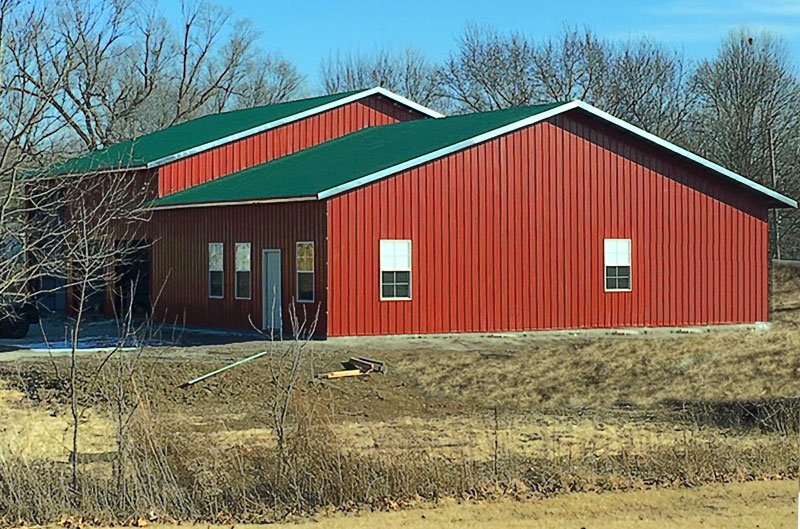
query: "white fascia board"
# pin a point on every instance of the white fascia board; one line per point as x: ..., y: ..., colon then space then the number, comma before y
x: 232, y: 203
x: 343, y: 188
x: 295, y: 117
x: 419, y: 160
x: 686, y: 154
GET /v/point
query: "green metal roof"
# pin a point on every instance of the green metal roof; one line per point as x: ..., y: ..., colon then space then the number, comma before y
x: 360, y: 158
x: 345, y: 160
x: 189, y: 135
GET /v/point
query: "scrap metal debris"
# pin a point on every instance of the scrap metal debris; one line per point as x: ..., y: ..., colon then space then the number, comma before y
x: 223, y: 369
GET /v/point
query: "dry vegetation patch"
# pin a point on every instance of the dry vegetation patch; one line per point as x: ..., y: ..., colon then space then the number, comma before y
x: 32, y: 431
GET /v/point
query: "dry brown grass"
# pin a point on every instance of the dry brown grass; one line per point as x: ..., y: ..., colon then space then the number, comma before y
x: 472, y: 437
x: 731, y: 506
x: 520, y: 372
x: 575, y: 414
x: 30, y: 431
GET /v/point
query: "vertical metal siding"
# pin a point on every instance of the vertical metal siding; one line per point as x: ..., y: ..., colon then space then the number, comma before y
x: 180, y: 261
x: 282, y: 141
x: 508, y: 236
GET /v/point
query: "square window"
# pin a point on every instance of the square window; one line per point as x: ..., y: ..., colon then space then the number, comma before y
x: 402, y: 291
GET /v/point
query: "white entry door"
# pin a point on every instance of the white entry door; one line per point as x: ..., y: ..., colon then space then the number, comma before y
x: 272, y: 318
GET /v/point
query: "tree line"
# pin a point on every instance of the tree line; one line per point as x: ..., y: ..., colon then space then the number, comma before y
x: 77, y: 75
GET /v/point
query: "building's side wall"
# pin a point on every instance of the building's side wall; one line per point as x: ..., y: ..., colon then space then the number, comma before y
x: 282, y: 141
x: 180, y: 261
x: 508, y: 236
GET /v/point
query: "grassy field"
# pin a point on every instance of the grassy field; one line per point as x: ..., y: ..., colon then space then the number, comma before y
x: 511, y: 419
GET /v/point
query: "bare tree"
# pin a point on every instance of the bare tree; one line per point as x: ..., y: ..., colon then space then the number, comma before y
x: 490, y: 71
x: 575, y: 65
x: 110, y: 70
x: 647, y: 86
x: 638, y: 80
x: 408, y: 73
x: 31, y: 202
x: 265, y: 80
x: 748, y: 119
x: 56, y: 225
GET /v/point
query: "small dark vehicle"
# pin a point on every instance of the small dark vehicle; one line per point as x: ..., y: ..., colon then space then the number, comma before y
x: 16, y: 318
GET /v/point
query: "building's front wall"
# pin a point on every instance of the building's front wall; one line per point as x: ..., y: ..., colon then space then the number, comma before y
x: 281, y: 141
x: 180, y: 270
x: 130, y: 190
x: 508, y: 236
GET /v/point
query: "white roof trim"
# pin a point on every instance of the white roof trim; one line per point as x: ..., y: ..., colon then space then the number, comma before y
x: 343, y: 188
x: 378, y: 90
x: 233, y: 203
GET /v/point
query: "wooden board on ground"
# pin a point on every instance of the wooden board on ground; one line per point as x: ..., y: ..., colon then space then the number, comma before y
x: 342, y: 374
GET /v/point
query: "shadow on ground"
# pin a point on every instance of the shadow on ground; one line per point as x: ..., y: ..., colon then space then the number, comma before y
x: 780, y: 415
x: 54, y: 334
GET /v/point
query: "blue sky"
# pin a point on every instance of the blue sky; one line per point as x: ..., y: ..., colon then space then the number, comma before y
x: 307, y: 31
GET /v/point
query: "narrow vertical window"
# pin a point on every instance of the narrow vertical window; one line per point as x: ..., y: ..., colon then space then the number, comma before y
x: 216, y: 270
x: 305, y: 271
x: 243, y: 271
x: 395, y: 269
x: 618, y: 264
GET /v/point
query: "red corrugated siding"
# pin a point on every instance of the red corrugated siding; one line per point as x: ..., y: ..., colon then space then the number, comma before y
x: 180, y: 260
x: 281, y: 141
x: 508, y: 236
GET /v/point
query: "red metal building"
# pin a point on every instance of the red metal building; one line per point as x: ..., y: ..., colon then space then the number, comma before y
x: 552, y: 217
x: 211, y: 147
x: 547, y: 217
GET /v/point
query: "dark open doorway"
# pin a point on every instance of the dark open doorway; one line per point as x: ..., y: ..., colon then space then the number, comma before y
x: 133, y: 280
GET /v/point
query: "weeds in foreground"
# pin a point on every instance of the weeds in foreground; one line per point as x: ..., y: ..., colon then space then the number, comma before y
x: 168, y: 476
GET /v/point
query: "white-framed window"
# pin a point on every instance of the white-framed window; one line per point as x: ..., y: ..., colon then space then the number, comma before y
x: 216, y: 270
x: 618, y: 264
x: 305, y: 271
x: 395, y: 269
x: 243, y: 270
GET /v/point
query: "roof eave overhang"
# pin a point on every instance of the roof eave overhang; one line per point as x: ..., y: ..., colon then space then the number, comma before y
x: 231, y: 203
x: 774, y: 199
x: 104, y: 171
x: 378, y: 90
